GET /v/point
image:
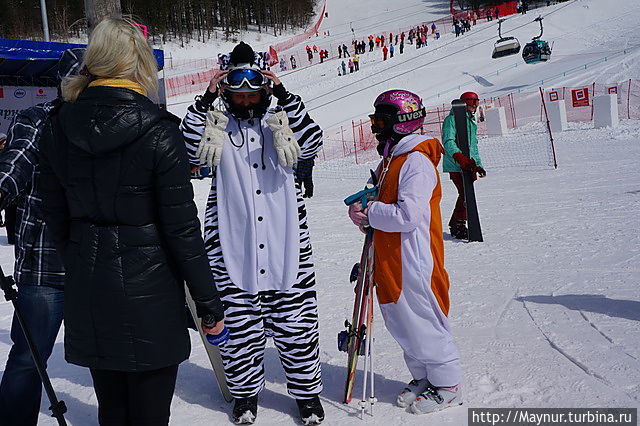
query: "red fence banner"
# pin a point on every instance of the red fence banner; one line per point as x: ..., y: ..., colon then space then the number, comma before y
x: 523, y: 110
x: 280, y: 47
x: 504, y: 9
x: 580, y: 97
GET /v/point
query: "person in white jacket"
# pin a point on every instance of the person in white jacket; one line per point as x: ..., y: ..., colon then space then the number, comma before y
x: 256, y: 231
x: 411, y: 282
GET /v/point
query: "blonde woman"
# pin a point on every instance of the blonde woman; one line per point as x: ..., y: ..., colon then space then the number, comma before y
x: 119, y: 203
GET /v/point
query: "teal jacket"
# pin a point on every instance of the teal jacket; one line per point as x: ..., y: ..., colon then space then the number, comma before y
x: 450, y: 146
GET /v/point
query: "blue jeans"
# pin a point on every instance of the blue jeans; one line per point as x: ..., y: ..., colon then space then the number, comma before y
x: 20, y: 391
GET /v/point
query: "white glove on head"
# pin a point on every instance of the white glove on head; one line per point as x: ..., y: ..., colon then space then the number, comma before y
x: 284, y: 141
x: 215, y: 134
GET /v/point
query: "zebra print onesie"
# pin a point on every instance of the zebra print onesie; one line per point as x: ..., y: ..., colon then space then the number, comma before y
x: 288, y: 314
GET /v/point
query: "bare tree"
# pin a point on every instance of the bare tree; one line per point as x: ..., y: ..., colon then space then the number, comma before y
x: 96, y: 10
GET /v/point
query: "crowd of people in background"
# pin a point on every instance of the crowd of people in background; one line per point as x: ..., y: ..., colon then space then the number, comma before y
x: 388, y: 46
x: 391, y: 44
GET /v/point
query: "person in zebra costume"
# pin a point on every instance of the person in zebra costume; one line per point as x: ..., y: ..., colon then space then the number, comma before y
x: 256, y: 231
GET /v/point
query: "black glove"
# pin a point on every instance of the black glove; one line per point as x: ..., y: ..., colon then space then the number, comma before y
x: 280, y: 92
x: 304, y: 176
x: 307, y: 183
x: 204, y: 102
x: 211, y: 309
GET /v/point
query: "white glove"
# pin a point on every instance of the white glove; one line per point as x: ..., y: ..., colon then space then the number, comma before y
x: 215, y: 133
x: 284, y: 141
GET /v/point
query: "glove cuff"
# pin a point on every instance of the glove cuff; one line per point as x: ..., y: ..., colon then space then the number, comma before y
x: 204, y: 102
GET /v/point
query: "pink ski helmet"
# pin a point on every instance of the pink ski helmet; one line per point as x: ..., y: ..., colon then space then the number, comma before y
x: 403, y: 109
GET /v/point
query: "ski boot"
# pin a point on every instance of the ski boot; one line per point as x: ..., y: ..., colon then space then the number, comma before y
x: 411, y: 392
x: 245, y: 410
x: 436, y: 399
x: 311, y: 411
x: 459, y: 230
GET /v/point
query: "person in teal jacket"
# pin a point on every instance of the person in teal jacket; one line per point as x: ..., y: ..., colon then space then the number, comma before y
x: 455, y: 161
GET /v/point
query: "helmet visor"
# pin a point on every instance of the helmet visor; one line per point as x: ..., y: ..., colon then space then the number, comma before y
x: 245, y: 78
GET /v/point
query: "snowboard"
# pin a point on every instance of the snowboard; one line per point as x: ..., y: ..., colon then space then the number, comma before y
x: 213, y: 353
x: 462, y: 140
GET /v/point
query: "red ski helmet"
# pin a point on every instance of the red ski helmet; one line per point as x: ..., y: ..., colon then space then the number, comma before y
x: 469, y: 97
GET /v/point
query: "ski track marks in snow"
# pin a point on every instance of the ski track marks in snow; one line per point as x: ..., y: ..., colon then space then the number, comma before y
x: 564, y: 241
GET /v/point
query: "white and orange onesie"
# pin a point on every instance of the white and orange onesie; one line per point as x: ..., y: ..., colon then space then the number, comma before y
x: 412, y: 283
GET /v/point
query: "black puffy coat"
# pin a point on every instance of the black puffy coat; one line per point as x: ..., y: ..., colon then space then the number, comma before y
x: 119, y: 203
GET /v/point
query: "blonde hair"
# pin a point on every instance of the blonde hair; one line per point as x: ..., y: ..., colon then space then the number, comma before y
x: 117, y: 49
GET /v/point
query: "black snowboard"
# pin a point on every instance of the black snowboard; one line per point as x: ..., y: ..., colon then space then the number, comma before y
x: 462, y: 140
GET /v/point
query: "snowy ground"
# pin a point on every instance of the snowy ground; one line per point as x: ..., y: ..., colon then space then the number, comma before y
x: 545, y: 311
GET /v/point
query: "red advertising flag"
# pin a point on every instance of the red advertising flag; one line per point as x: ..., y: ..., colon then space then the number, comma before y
x: 1, y: 92
x: 553, y: 96
x: 580, y: 97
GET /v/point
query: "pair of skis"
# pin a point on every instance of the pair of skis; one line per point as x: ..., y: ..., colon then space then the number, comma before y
x: 357, y: 338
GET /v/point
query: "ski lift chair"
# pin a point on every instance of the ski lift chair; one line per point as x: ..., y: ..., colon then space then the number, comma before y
x: 505, y: 46
x: 537, y: 50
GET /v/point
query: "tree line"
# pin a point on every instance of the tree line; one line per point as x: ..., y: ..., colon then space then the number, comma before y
x: 167, y: 20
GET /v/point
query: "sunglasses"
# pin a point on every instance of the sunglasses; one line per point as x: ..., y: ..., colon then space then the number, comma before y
x: 245, y: 77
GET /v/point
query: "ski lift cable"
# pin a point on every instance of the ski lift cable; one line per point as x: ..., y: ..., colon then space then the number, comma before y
x: 373, y: 16
x: 420, y: 66
x: 411, y: 70
x: 415, y: 68
x: 537, y: 83
x: 377, y: 24
x: 333, y: 37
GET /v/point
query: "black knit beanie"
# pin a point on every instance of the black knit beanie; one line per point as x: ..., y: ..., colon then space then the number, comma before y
x: 242, y: 54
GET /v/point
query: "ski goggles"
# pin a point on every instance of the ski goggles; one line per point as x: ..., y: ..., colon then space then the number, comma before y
x: 472, y: 102
x: 381, y: 122
x: 245, y: 78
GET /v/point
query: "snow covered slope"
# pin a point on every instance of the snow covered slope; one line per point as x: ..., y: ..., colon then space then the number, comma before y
x: 582, y: 31
x: 545, y: 311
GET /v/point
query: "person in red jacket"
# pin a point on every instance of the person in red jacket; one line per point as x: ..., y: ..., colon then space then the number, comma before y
x: 384, y: 53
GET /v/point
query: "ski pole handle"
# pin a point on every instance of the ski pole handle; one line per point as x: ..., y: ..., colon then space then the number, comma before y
x: 362, y: 196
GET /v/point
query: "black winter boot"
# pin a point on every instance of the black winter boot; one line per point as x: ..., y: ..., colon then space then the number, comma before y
x: 245, y: 410
x: 311, y: 411
x: 459, y: 230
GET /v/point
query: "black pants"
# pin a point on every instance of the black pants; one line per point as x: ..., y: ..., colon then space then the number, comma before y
x: 10, y: 223
x: 140, y: 399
